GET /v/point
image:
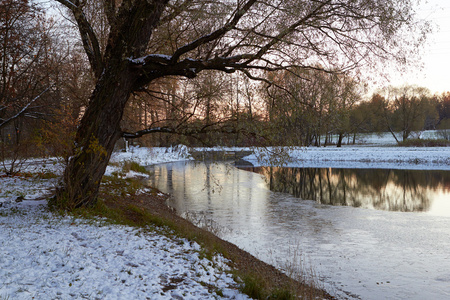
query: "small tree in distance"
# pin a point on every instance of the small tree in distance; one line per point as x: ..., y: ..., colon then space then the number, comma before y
x: 405, y: 109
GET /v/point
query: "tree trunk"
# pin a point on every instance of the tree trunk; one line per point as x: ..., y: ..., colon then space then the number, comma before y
x: 405, y: 134
x: 339, y: 143
x: 98, y: 132
x: 393, y: 134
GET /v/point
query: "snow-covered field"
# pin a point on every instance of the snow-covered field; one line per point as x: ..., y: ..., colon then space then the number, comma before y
x: 391, y: 157
x: 386, y: 138
x: 48, y: 256
x: 148, y: 156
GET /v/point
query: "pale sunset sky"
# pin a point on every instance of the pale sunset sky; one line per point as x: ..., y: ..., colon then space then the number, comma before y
x: 435, y: 74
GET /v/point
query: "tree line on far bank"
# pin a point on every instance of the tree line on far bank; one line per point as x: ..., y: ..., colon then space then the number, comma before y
x: 325, y: 109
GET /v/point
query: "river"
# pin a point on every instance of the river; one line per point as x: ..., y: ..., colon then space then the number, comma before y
x: 363, y: 233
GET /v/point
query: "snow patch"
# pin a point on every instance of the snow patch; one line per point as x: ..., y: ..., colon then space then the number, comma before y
x: 149, y: 156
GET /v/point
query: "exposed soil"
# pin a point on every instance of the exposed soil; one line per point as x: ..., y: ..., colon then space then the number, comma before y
x: 245, y: 263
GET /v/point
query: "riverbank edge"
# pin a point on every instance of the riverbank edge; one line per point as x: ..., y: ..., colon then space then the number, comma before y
x: 258, y: 279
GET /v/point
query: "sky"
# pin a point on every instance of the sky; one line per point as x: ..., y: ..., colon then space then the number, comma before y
x: 435, y: 74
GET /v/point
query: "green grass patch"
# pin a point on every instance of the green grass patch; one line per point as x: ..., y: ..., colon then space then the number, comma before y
x: 141, y: 217
x: 132, y: 216
x: 115, y: 185
x: 255, y: 287
x: 134, y: 166
x: 46, y: 175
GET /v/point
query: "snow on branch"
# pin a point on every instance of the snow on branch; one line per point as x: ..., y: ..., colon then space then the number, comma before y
x: 143, y: 132
x: 157, y: 66
x: 158, y: 58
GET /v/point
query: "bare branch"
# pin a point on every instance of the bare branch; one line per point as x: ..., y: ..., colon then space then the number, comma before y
x: 177, y: 10
x: 287, y: 31
x: 216, y: 34
x: 88, y: 37
x: 143, y: 132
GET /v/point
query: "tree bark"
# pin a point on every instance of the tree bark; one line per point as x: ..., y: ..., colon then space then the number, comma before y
x: 98, y: 132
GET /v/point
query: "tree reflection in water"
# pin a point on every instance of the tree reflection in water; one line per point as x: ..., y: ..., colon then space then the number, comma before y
x: 383, y: 189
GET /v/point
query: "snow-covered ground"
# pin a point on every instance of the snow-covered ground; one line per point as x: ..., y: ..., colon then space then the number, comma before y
x: 45, y: 256
x: 48, y: 256
x: 360, y: 157
x: 149, y: 156
x: 386, y: 138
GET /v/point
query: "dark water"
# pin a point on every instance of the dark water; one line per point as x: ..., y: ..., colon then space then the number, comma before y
x: 383, y: 189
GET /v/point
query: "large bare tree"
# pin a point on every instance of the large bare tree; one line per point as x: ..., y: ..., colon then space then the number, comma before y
x: 152, y: 39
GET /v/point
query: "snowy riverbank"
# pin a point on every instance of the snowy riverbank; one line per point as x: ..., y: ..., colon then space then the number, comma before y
x: 47, y: 256
x: 362, y: 157
x: 387, y: 157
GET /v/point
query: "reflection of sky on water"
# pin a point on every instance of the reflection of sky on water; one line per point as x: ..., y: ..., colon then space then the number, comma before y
x: 372, y: 254
x: 213, y: 189
x: 441, y: 204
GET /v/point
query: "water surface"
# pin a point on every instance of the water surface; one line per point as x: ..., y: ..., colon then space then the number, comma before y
x: 355, y: 252
x: 383, y: 189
